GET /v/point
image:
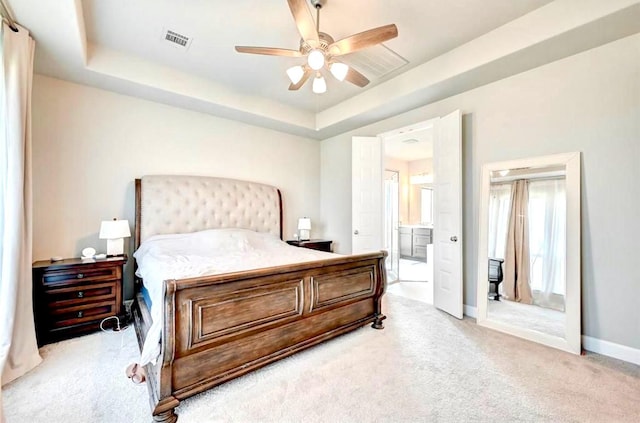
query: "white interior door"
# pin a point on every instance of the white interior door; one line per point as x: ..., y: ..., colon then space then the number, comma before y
x: 447, y: 164
x: 367, y: 224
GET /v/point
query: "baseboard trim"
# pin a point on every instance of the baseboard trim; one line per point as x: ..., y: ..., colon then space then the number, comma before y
x: 469, y: 310
x: 611, y: 349
x: 599, y: 346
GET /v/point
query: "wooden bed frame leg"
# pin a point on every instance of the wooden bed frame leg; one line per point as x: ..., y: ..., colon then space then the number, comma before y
x: 168, y: 416
x: 165, y: 411
x: 377, y: 324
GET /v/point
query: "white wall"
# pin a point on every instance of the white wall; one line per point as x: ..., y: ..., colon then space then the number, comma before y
x: 89, y: 145
x: 402, y: 167
x: 589, y: 102
x: 418, y: 167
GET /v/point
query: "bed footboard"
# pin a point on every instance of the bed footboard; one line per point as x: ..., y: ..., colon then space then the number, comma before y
x: 220, y: 327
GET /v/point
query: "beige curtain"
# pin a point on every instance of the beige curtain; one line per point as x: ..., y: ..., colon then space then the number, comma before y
x: 516, y: 262
x: 18, y: 348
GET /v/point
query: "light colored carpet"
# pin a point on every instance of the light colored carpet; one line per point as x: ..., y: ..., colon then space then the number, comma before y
x: 529, y: 316
x: 425, y: 366
x: 420, y: 291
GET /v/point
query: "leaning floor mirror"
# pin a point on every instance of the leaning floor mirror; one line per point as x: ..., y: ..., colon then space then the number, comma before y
x: 529, y: 250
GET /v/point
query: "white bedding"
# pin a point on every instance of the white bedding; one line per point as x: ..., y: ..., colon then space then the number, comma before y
x: 209, y: 252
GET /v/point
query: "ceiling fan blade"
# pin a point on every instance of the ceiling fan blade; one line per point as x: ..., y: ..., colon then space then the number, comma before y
x: 363, y: 40
x: 356, y: 78
x: 304, y: 21
x: 269, y: 51
x: 305, y: 76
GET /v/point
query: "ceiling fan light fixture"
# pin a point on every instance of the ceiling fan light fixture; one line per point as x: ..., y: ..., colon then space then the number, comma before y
x: 339, y: 70
x: 320, y: 48
x: 316, y: 59
x: 319, y: 85
x: 295, y: 74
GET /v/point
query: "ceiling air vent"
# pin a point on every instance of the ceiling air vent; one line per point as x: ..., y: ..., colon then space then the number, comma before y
x: 176, y: 39
x: 376, y: 61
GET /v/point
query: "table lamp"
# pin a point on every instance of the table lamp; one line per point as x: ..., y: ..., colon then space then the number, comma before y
x: 304, y: 228
x: 114, y: 231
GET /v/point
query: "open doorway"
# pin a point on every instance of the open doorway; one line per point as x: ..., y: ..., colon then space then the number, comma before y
x: 408, y: 211
x: 440, y: 243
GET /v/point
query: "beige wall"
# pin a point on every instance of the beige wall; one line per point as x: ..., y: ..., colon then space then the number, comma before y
x: 589, y: 102
x: 89, y: 145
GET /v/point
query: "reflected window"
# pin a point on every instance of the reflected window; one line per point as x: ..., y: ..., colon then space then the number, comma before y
x: 499, y: 211
x: 547, y: 240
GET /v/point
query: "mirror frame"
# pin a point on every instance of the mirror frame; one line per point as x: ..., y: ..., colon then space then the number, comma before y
x: 573, y: 330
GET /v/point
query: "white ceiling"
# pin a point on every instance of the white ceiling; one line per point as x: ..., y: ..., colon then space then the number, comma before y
x: 409, y: 146
x: 424, y: 26
x: 117, y: 45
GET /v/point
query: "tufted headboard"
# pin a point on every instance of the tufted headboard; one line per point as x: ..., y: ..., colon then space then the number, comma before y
x: 167, y: 204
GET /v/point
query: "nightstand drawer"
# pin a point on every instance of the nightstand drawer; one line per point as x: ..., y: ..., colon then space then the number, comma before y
x: 79, y: 274
x: 63, y: 317
x: 72, y: 296
x: 79, y: 294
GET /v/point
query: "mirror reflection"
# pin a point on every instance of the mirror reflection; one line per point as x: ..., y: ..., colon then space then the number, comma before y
x: 527, y: 248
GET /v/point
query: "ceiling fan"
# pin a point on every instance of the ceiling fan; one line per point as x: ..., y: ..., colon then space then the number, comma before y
x: 321, y: 50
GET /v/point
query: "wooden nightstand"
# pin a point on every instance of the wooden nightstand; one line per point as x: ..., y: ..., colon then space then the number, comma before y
x: 314, y: 244
x: 72, y: 296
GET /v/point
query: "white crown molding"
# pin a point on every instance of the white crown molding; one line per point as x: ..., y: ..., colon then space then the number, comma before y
x: 554, y: 31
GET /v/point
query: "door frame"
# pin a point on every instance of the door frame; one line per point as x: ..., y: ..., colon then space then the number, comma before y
x: 408, y: 129
x: 425, y: 124
x: 394, y: 232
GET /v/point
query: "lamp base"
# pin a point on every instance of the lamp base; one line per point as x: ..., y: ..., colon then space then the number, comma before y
x: 115, y: 247
x: 303, y: 234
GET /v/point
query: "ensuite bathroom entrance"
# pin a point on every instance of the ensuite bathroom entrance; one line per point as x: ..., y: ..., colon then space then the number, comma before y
x: 398, y: 206
x: 408, y: 213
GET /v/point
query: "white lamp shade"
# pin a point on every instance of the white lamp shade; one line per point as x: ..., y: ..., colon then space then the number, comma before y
x: 316, y: 59
x: 304, y: 228
x: 339, y: 70
x: 114, y: 229
x: 304, y: 223
x: 319, y: 85
x: 295, y: 74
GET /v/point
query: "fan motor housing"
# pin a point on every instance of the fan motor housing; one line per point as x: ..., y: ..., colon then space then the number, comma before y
x: 325, y: 41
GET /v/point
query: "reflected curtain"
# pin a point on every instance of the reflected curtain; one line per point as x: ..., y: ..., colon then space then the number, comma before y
x: 18, y: 348
x: 516, y: 264
x: 547, y: 240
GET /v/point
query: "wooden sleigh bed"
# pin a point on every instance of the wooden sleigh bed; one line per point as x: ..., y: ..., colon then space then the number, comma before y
x: 220, y: 327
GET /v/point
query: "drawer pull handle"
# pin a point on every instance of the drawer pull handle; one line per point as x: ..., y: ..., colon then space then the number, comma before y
x: 80, y: 314
x: 80, y: 294
x: 80, y: 275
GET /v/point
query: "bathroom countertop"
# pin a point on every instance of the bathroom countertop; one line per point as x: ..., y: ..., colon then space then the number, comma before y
x: 416, y: 226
